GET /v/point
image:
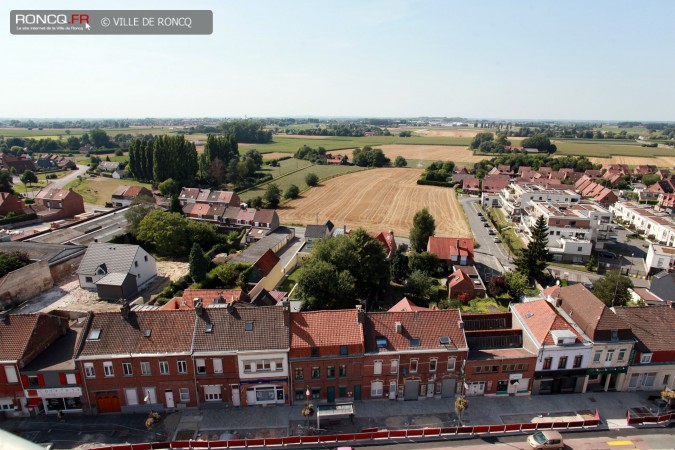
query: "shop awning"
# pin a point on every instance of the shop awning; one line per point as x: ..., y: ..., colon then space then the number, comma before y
x: 336, y: 410
x: 606, y: 370
x: 32, y: 402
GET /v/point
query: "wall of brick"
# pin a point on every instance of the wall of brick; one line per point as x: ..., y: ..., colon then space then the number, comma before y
x: 65, y: 268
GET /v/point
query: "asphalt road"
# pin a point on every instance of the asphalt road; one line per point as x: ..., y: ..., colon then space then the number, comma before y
x: 625, y: 439
x: 491, y: 258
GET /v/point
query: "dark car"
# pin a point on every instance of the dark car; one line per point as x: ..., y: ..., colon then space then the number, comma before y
x: 608, y: 255
x: 480, y: 214
x: 491, y: 232
x: 483, y: 219
x: 486, y: 225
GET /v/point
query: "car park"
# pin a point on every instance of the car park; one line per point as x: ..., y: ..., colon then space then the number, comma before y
x: 545, y: 440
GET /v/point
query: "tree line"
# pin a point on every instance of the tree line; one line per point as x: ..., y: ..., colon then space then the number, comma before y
x: 163, y: 157
x: 248, y: 131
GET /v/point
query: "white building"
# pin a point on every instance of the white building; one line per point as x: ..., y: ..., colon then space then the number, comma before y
x: 654, y: 225
x: 563, y: 355
x: 517, y: 196
x: 659, y: 257
x: 115, y: 262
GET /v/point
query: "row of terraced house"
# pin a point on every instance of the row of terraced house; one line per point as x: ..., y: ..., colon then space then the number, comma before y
x: 233, y: 353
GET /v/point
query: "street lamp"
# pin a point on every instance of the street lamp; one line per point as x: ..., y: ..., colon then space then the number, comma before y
x: 308, y: 411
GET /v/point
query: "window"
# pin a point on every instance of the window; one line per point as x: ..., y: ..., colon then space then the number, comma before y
x: 126, y: 369
x: 634, y: 378
x: 145, y: 258
x: 7, y: 405
x: 315, y: 352
x: 432, y: 365
x: 217, y: 365
x: 342, y: 391
x: 562, y: 362
x: 299, y: 373
x: 666, y: 379
x: 201, y: 366
x: 394, y: 366
x: 279, y: 365
x: 135, y: 263
x: 182, y: 367
x: 145, y: 367
x: 330, y: 372
x: 577, y: 361
x: 622, y: 354
x: 131, y: 394
x: 343, y: 371
x: 88, y: 279
x: 184, y: 394
x: 163, y: 367
x: 610, y: 356
x: 10, y: 374
x: 71, y: 378
x: 248, y: 326
x: 376, y: 389
x: 89, y: 370
x: 343, y: 350
x: 596, y: 357
x: 316, y: 393
x: 615, y: 335
x: 452, y: 361
x: 247, y: 366
x: 649, y: 379
x: 94, y: 335
x: 377, y: 368
x: 264, y: 365
x: 547, y: 363
x: 108, y: 369
x: 579, y: 249
x: 414, y: 342
x: 645, y: 358
x: 413, y: 365
x: 316, y: 373
x: 33, y: 380
x: 299, y: 394
x: 212, y: 393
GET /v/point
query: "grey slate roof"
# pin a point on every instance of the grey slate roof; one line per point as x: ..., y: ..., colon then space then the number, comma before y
x: 114, y: 279
x: 315, y: 231
x: 255, y: 251
x: 117, y: 258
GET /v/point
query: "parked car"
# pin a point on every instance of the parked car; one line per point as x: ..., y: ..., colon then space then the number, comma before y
x: 486, y: 225
x: 545, y: 440
x: 609, y: 255
x: 480, y: 214
x: 491, y: 232
x: 633, y: 236
x: 497, y: 240
x: 483, y: 219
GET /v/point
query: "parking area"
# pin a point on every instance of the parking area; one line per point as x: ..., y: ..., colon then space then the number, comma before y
x: 627, y: 252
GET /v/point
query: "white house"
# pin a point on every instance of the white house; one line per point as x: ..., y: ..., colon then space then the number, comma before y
x: 659, y: 257
x: 116, y: 270
x: 563, y: 355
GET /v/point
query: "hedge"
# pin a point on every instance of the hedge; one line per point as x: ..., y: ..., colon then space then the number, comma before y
x: 17, y: 219
x: 436, y: 183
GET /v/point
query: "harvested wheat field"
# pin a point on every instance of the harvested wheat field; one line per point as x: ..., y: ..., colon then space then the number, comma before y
x: 454, y: 153
x: 275, y: 155
x: 665, y: 162
x: 457, y: 132
x: 378, y: 200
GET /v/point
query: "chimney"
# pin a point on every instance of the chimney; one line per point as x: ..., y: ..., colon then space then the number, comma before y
x: 4, y: 317
x: 391, y: 232
x: 344, y: 228
x: 286, y: 307
x: 125, y: 309
x: 399, y: 327
x: 229, y: 308
x: 360, y: 315
x: 198, y: 306
x: 460, y: 325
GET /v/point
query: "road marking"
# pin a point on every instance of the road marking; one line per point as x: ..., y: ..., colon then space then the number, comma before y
x: 620, y: 443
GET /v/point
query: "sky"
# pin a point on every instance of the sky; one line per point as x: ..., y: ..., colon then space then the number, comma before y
x: 568, y: 60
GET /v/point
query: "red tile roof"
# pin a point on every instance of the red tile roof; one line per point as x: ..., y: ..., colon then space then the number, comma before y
x: 542, y: 319
x: 405, y: 305
x: 427, y: 326
x: 24, y: 336
x: 495, y: 183
x: 267, y: 262
x: 208, y: 297
x: 388, y: 241
x: 446, y: 247
x: 326, y: 328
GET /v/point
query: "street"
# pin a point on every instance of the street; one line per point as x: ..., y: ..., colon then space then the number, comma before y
x: 643, y: 439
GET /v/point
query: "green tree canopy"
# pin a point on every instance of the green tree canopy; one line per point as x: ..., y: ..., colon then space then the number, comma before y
x: 540, y: 142
x: 400, y: 161
x: 480, y: 138
x: 272, y: 195
x: 424, y: 226
x: 169, y: 187
x: 419, y: 287
x: 533, y: 260
x: 516, y: 283
x: 138, y: 209
x: 425, y: 262
x: 311, y: 179
x: 199, y: 263
x: 612, y: 289
x: 292, y: 192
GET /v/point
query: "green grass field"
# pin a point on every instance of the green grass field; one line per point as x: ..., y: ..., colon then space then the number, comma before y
x: 605, y: 150
x: 54, y: 133
x: 637, y: 130
x: 298, y: 177
x: 99, y: 190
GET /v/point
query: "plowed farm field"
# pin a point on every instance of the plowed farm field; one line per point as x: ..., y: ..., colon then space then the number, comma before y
x: 378, y: 200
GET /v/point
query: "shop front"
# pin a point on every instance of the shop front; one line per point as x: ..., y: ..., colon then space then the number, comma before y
x: 559, y: 382
x: 603, y: 379
x: 265, y: 392
x: 53, y: 400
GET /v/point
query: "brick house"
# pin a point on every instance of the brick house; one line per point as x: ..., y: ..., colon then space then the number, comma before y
x: 137, y: 361
x: 20, y: 164
x: 326, y: 355
x: 389, y: 243
x: 258, y: 340
x: 124, y: 195
x: 412, y: 355
x: 52, y: 381
x: 57, y: 204
x: 465, y: 283
x: 22, y: 338
x: 653, y: 365
x: 497, y: 364
x: 10, y: 203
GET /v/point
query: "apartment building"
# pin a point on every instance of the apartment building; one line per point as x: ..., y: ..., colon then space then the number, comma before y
x: 514, y: 198
x: 654, y: 225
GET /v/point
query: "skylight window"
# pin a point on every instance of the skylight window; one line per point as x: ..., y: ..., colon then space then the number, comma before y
x: 381, y: 342
x: 94, y: 334
x: 209, y: 327
x: 414, y: 342
x: 248, y: 326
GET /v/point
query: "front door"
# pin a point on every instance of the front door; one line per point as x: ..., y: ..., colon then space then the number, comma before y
x: 235, y: 395
x: 168, y: 396
x: 392, y: 390
x: 330, y: 394
x: 357, y: 392
x: 412, y: 389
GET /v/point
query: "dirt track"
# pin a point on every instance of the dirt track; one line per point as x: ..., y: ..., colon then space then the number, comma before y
x: 378, y: 200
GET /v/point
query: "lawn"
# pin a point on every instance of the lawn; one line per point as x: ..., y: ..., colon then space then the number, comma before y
x: 602, y: 149
x: 289, y: 282
x: 297, y: 177
x: 486, y: 305
x: 43, y: 175
x: 505, y: 228
x: 54, y: 133
x: 99, y: 190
